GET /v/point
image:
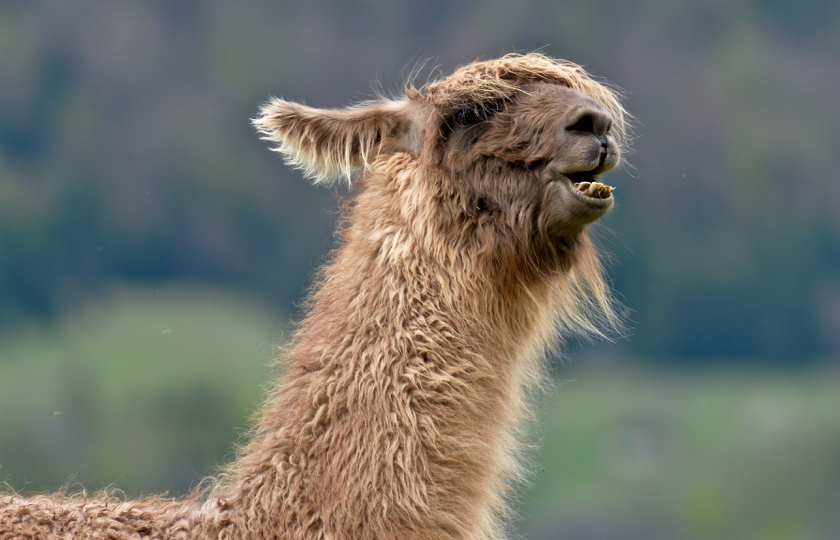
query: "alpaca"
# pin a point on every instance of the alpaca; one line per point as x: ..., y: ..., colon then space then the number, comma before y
x: 463, y: 256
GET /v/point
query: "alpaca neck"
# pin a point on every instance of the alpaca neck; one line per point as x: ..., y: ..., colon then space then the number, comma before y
x: 396, y: 415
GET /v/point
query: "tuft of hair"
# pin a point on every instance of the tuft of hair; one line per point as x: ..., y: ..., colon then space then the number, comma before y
x: 502, y: 78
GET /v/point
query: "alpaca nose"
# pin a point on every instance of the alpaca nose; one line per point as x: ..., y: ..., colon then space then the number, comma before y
x: 592, y: 121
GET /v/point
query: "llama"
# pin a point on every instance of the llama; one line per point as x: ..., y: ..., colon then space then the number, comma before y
x: 463, y: 257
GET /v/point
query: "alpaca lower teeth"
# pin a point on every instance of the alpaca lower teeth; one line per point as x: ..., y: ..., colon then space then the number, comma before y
x: 595, y: 190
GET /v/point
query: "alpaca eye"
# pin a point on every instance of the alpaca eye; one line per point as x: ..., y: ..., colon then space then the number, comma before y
x: 585, y: 124
x: 471, y: 116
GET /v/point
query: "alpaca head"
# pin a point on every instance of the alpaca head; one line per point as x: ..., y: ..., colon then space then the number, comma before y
x: 521, y: 138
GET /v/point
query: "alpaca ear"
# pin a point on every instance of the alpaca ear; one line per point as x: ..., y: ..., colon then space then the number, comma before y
x: 329, y: 143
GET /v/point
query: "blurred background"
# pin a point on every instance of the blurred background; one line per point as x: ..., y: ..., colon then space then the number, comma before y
x: 153, y: 250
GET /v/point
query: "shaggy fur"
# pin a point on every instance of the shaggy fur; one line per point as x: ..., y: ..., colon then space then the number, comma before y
x: 462, y: 253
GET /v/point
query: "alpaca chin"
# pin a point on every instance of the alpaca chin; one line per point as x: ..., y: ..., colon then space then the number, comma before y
x: 569, y: 210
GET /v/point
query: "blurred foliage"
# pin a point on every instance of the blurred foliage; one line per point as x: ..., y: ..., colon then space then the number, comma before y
x: 126, y: 156
x: 147, y: 387
x: 126, y: 152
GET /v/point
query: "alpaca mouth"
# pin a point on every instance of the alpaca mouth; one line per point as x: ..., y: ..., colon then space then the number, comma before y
x: 586, y: 185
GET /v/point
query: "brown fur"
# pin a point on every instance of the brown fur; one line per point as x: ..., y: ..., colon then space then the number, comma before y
x: 462, y: 253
